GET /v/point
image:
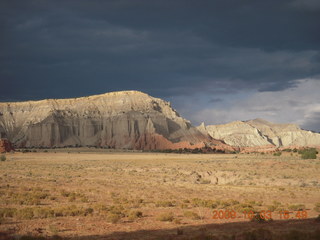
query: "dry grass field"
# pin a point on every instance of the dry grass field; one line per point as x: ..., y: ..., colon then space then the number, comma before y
x: 91, y: 194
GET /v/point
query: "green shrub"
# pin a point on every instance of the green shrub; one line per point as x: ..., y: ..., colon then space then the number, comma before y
x: 308, y: 153
x: 287, y: 150
x: 309, y: 156
x: 166, y: 217
x: 277, y: 154
x: 192, y: 215
x: 3, y: 158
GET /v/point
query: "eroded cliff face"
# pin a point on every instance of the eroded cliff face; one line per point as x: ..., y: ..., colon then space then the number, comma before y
x: 263, y: 134
x: 127, y: 119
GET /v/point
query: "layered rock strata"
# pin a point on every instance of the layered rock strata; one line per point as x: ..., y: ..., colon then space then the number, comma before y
x: 127, y: 119
x: 261, y: 134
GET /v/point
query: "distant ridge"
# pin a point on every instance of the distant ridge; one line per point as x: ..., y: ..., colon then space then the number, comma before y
x: 261, y: 133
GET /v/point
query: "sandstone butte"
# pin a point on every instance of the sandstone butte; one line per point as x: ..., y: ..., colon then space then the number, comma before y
x: 121, y: 120
x: 261, y: 135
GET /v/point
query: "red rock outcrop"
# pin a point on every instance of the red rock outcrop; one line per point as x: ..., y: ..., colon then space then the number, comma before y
x: 5, y: 146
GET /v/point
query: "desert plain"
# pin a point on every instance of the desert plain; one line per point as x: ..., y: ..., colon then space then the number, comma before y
x: 101, y: 194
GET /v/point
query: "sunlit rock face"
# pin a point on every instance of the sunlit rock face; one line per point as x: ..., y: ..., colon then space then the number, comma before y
x: 127, y: 119
x: 261, y: 133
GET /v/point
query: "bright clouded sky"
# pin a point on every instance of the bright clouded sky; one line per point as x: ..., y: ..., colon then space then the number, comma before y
x: 216, y: 61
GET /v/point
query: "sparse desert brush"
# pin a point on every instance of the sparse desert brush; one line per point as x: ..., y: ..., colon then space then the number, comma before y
x: 28, y: 198
x: 43, y: 212
x: 84, y: 199
x: 7, y: 212
x: 317, y: 207
x: 100, y: 208
x: 296, y: 207
x: 113, y: 217
x: 165, y: 204
x: 276, y: 206
x: 53, y: 229
x: 72, y: 211
x: 25, y: 213
x: 3, y: 158
x: 136, y: 203
x: 134, y: 215
x: 244, y: 208
x: 65, y: 193
x: 166, y: 217
x: 100, y: 181
x: 196, y: 202
x: 228, y: 203
x: 183, y: 205
x: 192, y: 215
x: 117, y: 209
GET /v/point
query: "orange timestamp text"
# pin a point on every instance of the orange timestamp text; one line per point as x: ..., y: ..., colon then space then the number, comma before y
x: 267, y: 215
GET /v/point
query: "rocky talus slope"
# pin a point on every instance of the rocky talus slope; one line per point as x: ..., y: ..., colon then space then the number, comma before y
x: 261, y: 133
x: 127, y: 119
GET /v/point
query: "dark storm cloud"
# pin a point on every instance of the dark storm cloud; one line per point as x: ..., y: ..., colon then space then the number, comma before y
x: 312, y: 122
x: 75, y: 48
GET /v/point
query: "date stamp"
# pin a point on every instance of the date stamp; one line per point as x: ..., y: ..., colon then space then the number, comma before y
x: 266, y: 215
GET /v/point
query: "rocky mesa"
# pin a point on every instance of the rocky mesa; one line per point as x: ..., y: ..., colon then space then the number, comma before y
x: 259, y: 133
x: 126, y: 119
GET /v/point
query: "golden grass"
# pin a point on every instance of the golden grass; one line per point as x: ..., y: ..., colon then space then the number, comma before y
x: 138, y: 191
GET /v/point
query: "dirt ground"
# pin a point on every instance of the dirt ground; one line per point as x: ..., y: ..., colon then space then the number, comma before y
x: 96, y: 194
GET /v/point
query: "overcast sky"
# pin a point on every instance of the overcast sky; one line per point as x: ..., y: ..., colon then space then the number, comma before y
x: 216, y: 61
